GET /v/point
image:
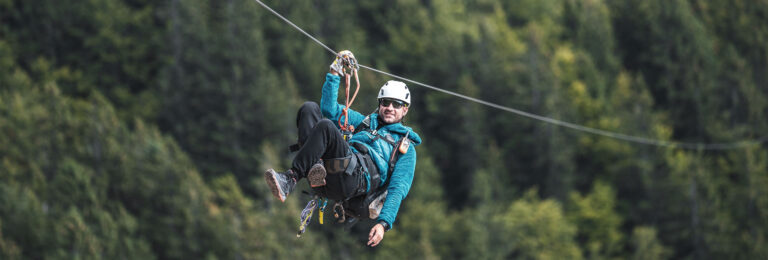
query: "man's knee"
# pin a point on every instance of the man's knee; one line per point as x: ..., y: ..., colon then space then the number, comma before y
x: 326, y: 124
x: 309, y: 107
x: 308, y: 112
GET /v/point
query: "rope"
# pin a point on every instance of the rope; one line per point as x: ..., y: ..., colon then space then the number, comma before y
x: 582, y: 128
x: 353, y: 67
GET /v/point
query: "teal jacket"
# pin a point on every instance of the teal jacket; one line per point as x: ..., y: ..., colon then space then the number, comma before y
x: 379, y: 150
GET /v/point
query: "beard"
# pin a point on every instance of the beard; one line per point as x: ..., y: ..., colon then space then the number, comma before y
x: 393, y: 121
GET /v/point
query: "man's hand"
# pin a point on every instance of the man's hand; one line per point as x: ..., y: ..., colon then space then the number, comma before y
x: 376, y: 235
x: 343, y: 59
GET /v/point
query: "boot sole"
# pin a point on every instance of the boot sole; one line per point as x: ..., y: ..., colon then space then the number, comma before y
x: 271, y: 178
x: 316, y: 176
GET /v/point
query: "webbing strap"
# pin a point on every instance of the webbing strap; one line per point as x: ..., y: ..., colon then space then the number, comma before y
x: 365, y: 124
x: 337, y: 165
x: 367, y: 162
x: 393, y: 158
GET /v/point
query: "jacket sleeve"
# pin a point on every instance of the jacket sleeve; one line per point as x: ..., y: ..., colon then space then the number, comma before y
x: 330, y: 107
x: 402, y: 178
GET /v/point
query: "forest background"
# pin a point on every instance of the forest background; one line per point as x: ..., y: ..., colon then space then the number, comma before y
x: 138, y: 129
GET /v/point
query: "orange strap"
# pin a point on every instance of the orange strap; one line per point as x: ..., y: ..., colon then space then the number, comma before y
x: 346, y: 126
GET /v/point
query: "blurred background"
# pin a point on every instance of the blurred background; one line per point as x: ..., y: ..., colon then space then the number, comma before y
x: 138, y: 129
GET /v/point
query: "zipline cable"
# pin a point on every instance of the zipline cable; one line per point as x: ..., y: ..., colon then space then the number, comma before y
x: 615, y: 135
x: 297, y: 28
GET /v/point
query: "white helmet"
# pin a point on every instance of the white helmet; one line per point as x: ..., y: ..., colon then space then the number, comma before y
x: 395, y: 90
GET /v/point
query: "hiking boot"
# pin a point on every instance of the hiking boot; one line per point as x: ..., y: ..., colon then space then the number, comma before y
x: 281, y: 183
x: 316, y: 175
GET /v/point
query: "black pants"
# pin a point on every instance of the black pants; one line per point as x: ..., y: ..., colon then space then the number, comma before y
x: 318, y: 137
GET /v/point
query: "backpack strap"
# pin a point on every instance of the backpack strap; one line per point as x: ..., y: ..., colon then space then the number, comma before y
x: 365, y: 124
x: 393, y: 158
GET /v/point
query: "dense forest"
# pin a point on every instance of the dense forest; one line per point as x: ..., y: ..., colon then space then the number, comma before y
x: 138, y: 129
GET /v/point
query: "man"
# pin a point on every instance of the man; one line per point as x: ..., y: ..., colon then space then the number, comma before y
x: 370, y: 148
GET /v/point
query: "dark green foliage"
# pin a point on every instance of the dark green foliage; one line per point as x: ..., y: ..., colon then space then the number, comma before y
x: 110, y: 46
x: 219, y: 98
x: 140, y: 129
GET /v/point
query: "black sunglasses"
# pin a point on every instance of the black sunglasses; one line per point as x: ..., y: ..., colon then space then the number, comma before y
x: 395, y: 103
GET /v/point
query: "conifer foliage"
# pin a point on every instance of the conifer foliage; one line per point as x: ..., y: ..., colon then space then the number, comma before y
x: 134, y: 129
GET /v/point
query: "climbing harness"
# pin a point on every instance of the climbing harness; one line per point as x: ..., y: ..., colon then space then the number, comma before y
x: 350, y: 67
x: 360, y: 202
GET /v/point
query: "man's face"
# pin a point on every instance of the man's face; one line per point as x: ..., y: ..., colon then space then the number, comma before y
x: 392, y: 110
